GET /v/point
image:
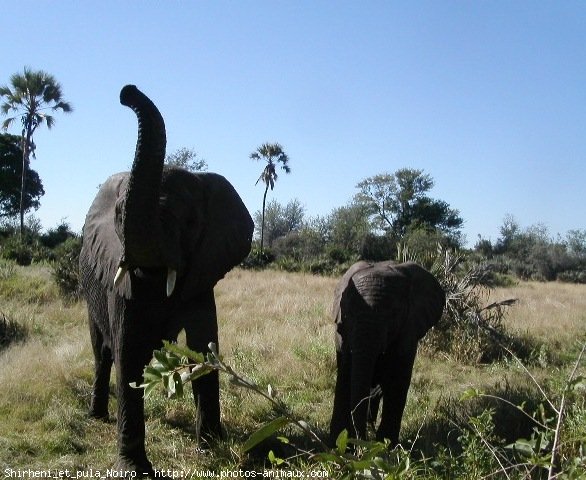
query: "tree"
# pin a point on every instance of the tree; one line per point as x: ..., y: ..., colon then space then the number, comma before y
x: 576, y: 242
x: 280, y: 220
x: 11, y: 176
x: 348, y: 226
x: 186, y: 158
x: 274, y: 155
x: 30, y: 96
x: 398, y: 203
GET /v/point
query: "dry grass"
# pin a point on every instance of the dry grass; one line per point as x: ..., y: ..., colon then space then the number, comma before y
x: 553, y: 313
x: 274, y: 328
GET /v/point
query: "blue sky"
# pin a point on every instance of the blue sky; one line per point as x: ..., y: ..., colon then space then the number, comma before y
x: 489, y: 98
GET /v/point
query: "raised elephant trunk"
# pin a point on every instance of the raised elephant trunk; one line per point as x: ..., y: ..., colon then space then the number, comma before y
x: 140, y: 225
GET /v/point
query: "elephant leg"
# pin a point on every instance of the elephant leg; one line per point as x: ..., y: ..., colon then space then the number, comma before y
x: 341, y: 418
x: 396, y: 379
x: 134, y: 336
x: 363, y: 363
x: 199, y: 332
x: 103, y: 367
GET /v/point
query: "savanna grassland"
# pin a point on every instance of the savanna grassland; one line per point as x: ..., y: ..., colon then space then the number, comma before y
x: 275, y: 328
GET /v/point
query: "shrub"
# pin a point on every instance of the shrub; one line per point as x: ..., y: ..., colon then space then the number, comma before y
x: 299, y: 245
x: 17, y: 250
x: 56, y: 236
x: 256, y: 260
x: 469, y: 330
x: 65, y: 268
x: 24, y: 251
x: 572, y: 276
x: 7, y: 269
x: 377, y: 248
x: 10, y: 331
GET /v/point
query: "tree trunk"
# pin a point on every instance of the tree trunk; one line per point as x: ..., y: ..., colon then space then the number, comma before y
x: 262, y: 226
x: 25, y: 161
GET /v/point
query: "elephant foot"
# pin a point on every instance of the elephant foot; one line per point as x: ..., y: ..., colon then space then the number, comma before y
x: 99, y: 415
x: 206, y: 441
x: 132, y: 468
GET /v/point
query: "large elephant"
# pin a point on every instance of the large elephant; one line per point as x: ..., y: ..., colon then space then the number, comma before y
x: 155, y: 242
x: 381, y: 311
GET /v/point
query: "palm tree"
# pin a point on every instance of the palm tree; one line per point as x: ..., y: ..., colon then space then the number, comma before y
x: 273, y: 154
x: 30, y: 96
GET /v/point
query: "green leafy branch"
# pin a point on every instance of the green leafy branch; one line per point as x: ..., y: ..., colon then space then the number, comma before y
x: 172, y: 366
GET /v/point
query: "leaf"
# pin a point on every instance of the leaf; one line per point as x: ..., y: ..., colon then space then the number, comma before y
x: 470, y: 393
x: 148, y: 389
x: 523, y: 446
x: 342, y: 441
x: 264, y: 432
x: 579, y: 381
x: 184, y: 351
x: 274, y: 459
x: 327, y: 457
x: 198, y: 371
x: 162, y: 359
x: 151, y: 373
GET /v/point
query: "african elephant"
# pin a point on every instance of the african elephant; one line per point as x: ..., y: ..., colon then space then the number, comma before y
x: 381, y: 311
x: 155, y: 242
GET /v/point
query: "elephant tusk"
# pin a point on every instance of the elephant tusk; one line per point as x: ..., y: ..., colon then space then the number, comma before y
x: 122, y: 271
x: 171, y: 279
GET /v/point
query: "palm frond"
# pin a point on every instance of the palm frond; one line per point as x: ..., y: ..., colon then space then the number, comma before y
x: 64, y: 106
x: 49, y: 120
x: 6, y: 123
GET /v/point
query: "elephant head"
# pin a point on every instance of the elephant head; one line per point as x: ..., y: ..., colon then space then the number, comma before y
x: 381, y: 311
x: 164, y: 222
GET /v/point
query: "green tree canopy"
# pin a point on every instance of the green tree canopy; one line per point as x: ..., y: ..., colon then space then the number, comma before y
x: 398, y: 203
x: 186, y: 158
x: 348, y: 226
x: 280, y: 220
x: 30, y: 97
x: 11, y: 176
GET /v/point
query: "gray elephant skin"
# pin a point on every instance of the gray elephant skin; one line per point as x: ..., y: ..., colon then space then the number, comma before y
x: 155, y: 242
x: 381, y: 311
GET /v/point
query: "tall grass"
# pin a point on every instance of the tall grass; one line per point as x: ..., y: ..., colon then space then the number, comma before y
x: 275, y: 328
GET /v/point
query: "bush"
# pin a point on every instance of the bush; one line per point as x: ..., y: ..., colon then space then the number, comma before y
x: 377, y: 248
x: 56, y: 236
x: 10, y: 331
x: 256, y: 260
x: 469, y: 331
x: 65, y: 268
x: 573, y: 276
x: 17, y: 250
x: 24, y: 251
x: 299, y: 245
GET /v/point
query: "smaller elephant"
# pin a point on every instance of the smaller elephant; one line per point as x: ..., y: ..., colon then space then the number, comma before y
x: 381, y: 311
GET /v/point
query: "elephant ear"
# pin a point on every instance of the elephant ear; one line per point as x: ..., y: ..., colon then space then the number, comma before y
x: 342, y: 289
x: 427, y: 299
x: 101, y: 248
x: 225, y: 238
x: 344, y: 295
